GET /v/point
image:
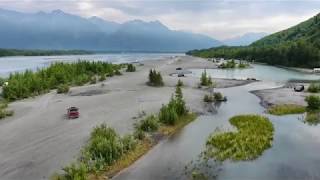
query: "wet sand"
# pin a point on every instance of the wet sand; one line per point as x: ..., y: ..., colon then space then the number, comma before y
x: 282, y: 95
x: 38, y: 140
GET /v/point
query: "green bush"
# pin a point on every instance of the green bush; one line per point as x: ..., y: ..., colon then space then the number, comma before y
x: 313, y: 102
x: 75, y: 171
x: 102, y: 77
x: 155, y: 78
x: 218, y: 96
x: 314, y: 88
x: 205, y: 79
x: 312, y: 118
x: 168, y: 115
x: 149, y: 124
x: 208, y: 98
x: 117, y: 72
x: 179, y: 103
x: 228, y: 64
x: 128, y: 143
x: 139, y: 134
x: 179, y: 83
x: 2, y: 80
x: 131, y: 68
x: 93, y: 80
x: 64, y: 88
x: 106, y: 146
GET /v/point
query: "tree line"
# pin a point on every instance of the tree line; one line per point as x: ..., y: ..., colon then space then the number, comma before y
x: 26, y: 84
x: 20, y: 52
x: 293, y: 54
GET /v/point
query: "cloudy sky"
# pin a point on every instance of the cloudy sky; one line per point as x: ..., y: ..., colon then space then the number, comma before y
x: 219, y: 19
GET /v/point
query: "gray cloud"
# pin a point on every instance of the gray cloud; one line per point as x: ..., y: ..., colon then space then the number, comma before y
x: 216, y: 18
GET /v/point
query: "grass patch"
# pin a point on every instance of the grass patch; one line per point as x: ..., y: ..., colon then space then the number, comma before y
x: 284, y: 109
x: 254, y: 136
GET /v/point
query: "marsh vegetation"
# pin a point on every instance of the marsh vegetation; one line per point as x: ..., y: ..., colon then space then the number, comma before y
x: 284, y: 109
x: 253, y: 136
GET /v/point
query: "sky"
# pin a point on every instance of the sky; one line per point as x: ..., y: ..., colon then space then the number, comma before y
x: 220, y: 19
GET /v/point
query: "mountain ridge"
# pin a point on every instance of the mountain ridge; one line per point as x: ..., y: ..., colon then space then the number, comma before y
x: 63, y: 31
x: 297, y: 46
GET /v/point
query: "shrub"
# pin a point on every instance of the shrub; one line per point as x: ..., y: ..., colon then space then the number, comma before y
x: 128, y: 143
x: 180, y: 83
x: 155, y: 78
x: 139, y: 134
x: 229, y: 64
x: 179, y: 103
x: 313, y: 102
x: 2, y: 80
x: 64, y: 88
x: 208, y: 98
x: 218, y: 96
x: 102, y: 77
x: 117, y: 72
x: 312, y: 118
x: 205, y: 79
x: 75, y: 172
x: 131, y: 68
x: 168, y: 115
x: 149, y: 124
x: 106, y: 146
x: 314, y: 87
x: 93, y: 80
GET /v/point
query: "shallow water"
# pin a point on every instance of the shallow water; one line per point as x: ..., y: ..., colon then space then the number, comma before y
x: 21, y: 63
x: 260, y: 72
x: 293, y: 156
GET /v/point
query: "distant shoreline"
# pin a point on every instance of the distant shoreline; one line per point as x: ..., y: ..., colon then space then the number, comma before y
x: 43, y: 52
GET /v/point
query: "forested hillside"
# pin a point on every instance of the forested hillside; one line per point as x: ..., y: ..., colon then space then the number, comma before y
x: 298, y: 46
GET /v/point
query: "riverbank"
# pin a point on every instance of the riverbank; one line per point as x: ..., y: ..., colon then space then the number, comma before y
x: 283, y: 95
x: 38, y: 140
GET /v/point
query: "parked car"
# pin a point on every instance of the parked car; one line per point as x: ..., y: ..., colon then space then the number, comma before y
x: 299, y: 88
x: 73, y: 112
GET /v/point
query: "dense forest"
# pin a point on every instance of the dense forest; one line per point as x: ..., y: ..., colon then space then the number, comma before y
x: 298, y: 46
x: 18, y: 52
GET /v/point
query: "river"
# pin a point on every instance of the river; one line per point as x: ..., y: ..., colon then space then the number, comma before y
x: 293, y: 156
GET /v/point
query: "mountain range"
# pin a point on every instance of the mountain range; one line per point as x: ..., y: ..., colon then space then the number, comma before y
x: 60, y: 30
x: 245, y: 39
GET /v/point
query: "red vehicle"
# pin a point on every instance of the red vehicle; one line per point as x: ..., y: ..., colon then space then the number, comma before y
x: 73, y: 112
